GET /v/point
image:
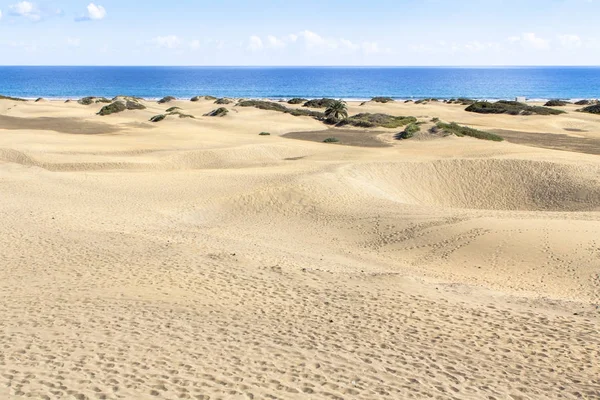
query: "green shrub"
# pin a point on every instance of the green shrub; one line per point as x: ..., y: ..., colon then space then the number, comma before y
x: 116, y: 107
x: 408, y: 101
x: 297, y: 100
x: 158, y: 118
x: 269, y: 105
x: 367, y: 120
x: 173, y: 109
x: 594, y: 109
x: 134, y: 105
x: 331, y: 140
x: 425, y: 101
x: 382, y: 99
x: 219, y: 112
x: 264, y: 134
x: 166, y: 99
x: 223, y: 101
x: 319, y: 103
x: 11, y: 98
x: 435, y: 120
x: 461, y: 131
x: 584, y: 102
x: 511, y: 108
x: 410, y: 131
x: 556, y: 103
x: 181, y: 115
x: 86, y: 101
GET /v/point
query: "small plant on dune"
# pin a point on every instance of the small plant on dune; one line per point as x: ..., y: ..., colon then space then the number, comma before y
x: 382, y: 99
x: 173, y: 109
x: 116, y: 107
x: 510, y: 108
x: 435, y: 120
x: 134, y: 105
x: 556, y: 103
x: 460, y: 131
x: 158, y: 118
x: 297, y: 100
x: 367, y: 120
x: 219, y: 112
x: 264, y: 134
x: 409, y: 131
x: 594, y: 109
x: 223, y: 101
x: 585, y: 102
x: 166, y: 99
x: 11, y: 98
x: 331, y: 140
x: 319, y: 103
x: 336, y: 112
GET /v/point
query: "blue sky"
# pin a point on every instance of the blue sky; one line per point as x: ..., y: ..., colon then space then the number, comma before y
x: 303, y: 32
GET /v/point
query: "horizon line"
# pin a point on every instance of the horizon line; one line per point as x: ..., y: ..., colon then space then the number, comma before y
x: 304, y: 66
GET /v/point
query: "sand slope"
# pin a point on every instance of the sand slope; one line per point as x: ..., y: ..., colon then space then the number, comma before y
x: 195, y: 259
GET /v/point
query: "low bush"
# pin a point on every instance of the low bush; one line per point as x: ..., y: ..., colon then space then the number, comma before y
x: 134, y: 105
x: 458, y: 130
x: 367, y: 120
x: 11, y: 98
x: 410, y: 131
x: 166, y: 99
x: 181, y: 115
x: 158, y: 118
x: 219, y: 112
x: 223, y: 101
x: 269, y: 105
x: 584, y: 102
x: 319, y: 103
x: 425, y: 101
x: 594, y: 109
x: 435, y: 120
x: 116, y: 107
x: 511, y: 108
x: 556, y: 103
x: 297, y: 100
x: 173, y: 109
x: 331, y: 140
x: 382, y: 99
x: 264, y: 134
x: 86, y: 101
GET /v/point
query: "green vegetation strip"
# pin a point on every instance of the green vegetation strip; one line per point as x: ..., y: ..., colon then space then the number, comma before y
x: 461, y: 131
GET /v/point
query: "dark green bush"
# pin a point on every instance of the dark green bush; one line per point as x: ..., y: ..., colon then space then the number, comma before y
x: 166, y: 99
x: 297, y: 100
x: 158, y: 118
x: 382, y: 99
x: 556, y: 103
x: 223, y: 101
x: 219, y: 112
x: 134, y: 105
x: 410, y: 131
x: 458, y: 130
x: 435, y: 120
x: 331, y: 140
x: 269, y: 105
x: 511, y: 108
x: 86, y: 101
x: 264, y: 134
x: 173, y: 109
x: 584, y: 102
x: 367, y: 120
x: 11, y: 98
x: 319, y: 103
x: 116, y: 107
x: 594, y: 109
x: 425, y: 101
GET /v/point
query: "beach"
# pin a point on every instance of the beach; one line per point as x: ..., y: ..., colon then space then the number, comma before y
x: 194, y: 258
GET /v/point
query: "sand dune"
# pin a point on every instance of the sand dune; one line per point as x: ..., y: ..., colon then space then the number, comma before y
x: 195, y: 259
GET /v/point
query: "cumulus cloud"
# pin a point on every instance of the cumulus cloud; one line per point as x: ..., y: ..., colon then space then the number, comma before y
x: 169, y: 42
x: 530, y: 40
x: 255, y: 43
x: 313, y: 42
x: 93, y: 13
x: 25, y: 9
x: 570, y: 41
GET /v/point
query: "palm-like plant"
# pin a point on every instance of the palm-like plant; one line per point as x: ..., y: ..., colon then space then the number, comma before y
x: 337, y: 111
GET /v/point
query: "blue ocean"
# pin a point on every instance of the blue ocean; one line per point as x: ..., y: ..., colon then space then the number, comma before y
x: 309, y: 82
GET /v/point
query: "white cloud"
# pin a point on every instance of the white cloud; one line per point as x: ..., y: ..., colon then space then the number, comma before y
x: 25, y: 9
x: 195, y: 44
x: 530, y: 40
x: 570, y: 41
x: 275, y: 42
x: 169, y: 42
x: 93, y: 13
x: 255, y: 44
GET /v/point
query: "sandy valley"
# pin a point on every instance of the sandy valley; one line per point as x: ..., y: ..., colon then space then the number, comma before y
x: 196, y: 259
